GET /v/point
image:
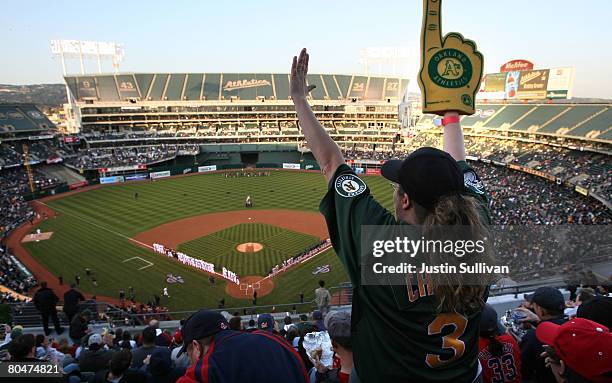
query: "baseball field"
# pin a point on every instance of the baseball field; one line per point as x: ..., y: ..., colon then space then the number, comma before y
x: 110, y: 230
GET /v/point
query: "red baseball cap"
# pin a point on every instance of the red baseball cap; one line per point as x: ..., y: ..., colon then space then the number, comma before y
x: 583, y: 345
x: 178, y: 336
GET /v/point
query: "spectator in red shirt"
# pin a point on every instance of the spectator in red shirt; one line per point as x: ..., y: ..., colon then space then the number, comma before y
x: 498, y: 351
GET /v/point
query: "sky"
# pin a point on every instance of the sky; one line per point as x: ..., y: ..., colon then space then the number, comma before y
x: 262, y: 36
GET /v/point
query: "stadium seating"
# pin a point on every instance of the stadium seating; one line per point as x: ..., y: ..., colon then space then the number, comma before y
x: 174, y: 88
x: 157, y: 88
x: 318, y: 93
x: 538, y: 116
x: 572, y: 117
x: 228, y: 86
x: 508, y: 115
x: 483, y: 112
x: 332, y: 87
x: 193, y: 87
x: 23, y: 118
x: 570, y: 120
x: 107, y: 88
x: 592, y: 128
x: 144, y: 83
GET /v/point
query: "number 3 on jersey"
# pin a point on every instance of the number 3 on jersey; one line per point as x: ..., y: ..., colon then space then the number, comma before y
x: 450, y: 341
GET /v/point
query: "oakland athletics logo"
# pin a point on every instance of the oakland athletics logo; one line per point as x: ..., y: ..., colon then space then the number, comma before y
x: 450, y: 68
x: 349, y: 185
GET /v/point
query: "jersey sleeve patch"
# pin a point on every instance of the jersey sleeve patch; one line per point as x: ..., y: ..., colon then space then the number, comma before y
x: 472, y: 181
x: 349, y: 185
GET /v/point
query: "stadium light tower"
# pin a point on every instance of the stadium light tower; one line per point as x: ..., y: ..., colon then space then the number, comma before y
x: 84, y: 50
x: 383, y: 56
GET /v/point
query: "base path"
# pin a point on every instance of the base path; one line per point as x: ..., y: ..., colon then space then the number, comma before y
x: 248, y: 285
x: 173, y: 233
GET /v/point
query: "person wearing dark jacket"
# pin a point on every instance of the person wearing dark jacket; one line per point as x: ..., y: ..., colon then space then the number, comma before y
x: 78, y: 326
x: 120, y: 371
x: 72, y: 298
x: 45, y: 301
x: 95, y: 358
x: 548, y: 304
x: 148, y: 347
x: 159, y: 367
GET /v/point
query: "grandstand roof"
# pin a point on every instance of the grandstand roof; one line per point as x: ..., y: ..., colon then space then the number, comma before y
x: 21, y: 118
x: 225, y: 86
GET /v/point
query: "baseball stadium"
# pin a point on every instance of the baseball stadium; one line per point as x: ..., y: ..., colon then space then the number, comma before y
x: 155, y: 195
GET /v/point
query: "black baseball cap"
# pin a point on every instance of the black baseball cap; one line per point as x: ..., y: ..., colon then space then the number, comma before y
x: 425, y: 175
x: 489, y: 323
x: 202, y: 324
x: 548, y: 298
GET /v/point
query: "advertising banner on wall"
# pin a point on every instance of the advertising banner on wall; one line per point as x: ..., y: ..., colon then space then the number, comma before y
x: 208, y: 168
x: 512, y: 83
x: 287, y: 165
x: 516, y: 65
x: 136, y: 177
x: 156, y: 175
x: 71, y: 140
x: 533, y: 84
x: 494, y: 88
x: 122, y: 168
x: 560, y: 81
x: 111, y: 180
x: 372, y: 171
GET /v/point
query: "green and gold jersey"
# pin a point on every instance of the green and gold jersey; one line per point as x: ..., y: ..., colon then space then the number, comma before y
x: 398, y: 335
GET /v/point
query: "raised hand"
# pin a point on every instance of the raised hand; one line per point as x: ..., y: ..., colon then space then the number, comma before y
x: 299, y: 70
x: 451, y: 66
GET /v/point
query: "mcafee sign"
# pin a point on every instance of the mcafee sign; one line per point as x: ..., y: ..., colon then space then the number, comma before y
x: 515, y: 65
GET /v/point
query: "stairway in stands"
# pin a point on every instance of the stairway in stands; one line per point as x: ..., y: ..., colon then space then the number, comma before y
x: 27, y: 316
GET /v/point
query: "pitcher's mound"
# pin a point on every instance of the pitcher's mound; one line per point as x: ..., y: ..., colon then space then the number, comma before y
x: 248, y: 285
x: 37, y: 237
x: 249, y: 247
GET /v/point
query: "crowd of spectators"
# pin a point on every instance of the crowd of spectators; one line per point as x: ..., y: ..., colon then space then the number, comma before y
x: 14, y: 184
x: 589, y: 169
x: 123, y: 156
x: 287, y: 350
x: 528, y: 342
x: 518, y: 199
x: 301, y: 257
x: 42, y: 151
x: 14, y: 276
x: 536, y: 327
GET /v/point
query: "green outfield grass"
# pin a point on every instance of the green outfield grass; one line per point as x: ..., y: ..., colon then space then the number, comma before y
x: 220, y: 247
x: 92, y: 229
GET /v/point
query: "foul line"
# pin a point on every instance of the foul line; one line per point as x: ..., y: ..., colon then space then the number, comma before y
x: 143, y: 260
x: 98, y: 226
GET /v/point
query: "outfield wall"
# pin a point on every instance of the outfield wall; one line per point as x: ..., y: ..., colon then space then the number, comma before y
x: 275, y: 156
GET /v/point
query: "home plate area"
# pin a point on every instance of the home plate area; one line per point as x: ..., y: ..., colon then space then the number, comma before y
x: 248, y: 285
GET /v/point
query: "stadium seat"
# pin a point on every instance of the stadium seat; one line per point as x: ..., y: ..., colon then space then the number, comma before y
x: 574, y: 116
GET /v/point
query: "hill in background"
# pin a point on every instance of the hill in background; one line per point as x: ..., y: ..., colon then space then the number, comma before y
x: 45, y: 95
